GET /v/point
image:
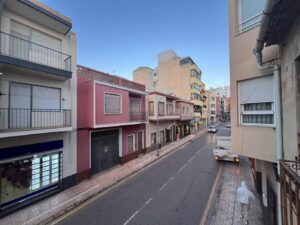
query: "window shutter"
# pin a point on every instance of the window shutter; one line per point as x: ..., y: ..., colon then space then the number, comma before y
x: 256, y: 90
x: 45, y: 98
x: 112, y: 103
x: 135, y: 105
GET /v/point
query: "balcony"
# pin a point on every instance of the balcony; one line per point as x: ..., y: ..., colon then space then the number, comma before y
x: 16, y: 120
x: 184, y: 115
x: 137, y: 116
x: 164, y: 117
x: 23, y: 53
x: 289, y: 191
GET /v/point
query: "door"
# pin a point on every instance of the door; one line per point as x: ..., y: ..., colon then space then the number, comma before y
x: 168, y: 139
x: 104, y: 150
x: 19, y: 106
x: 140, y: 137
x: 162, y: 137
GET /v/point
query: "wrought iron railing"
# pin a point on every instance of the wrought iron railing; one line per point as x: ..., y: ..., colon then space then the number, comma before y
x: 137, y: 116
x: 26, y: 119
x: 19, y: 48
x: 289, y: 192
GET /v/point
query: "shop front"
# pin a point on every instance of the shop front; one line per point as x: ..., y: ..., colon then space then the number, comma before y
x: 29, y: 172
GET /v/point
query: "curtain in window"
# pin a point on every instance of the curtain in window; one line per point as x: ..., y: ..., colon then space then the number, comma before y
x: 112, y: 103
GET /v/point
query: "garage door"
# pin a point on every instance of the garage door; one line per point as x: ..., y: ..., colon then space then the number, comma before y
x: 104, y: 150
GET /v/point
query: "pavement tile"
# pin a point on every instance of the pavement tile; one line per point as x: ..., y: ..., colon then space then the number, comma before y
x: 224, y: 208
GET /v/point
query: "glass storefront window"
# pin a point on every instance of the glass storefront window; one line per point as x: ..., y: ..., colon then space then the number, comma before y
x: 23, y: 177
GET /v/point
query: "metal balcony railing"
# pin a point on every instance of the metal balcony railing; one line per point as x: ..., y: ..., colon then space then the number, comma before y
x: 19, y: 48
x: 290, y: 191
x: 27, y: 119
x: 137, y: 116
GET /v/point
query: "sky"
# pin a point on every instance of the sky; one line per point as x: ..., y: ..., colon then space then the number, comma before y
x: 117, y: 36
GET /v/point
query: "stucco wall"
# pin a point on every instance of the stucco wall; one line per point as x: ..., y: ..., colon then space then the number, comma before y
x: 290, y: 101
x: 251, y: 141
x: 132, y: 130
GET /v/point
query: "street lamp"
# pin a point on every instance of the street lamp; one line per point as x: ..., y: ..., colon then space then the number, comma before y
x: 158, y: 132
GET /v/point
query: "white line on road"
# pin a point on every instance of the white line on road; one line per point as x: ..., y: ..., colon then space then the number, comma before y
x: 149, y: 200
x: 130, y: 218
x: 162, y: 187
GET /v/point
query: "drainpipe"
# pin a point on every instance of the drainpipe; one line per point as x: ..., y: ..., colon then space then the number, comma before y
x: 277, y: 90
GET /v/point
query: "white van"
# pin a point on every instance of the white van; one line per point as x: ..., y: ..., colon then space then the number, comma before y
x: 223, y: 150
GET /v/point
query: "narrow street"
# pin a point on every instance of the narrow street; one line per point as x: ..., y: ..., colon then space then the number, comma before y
x: 173, y: 190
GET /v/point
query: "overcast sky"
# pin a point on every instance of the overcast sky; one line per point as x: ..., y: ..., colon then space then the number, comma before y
x: 117, y: 36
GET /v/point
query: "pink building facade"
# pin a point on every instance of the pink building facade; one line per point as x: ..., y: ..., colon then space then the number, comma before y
x: 111, y: 121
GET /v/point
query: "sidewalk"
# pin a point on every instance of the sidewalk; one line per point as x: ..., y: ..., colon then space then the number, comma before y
x: 47, y: 210
x: 224, y: 207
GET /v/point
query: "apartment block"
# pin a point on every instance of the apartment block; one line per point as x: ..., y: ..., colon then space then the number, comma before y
x: 212, y: 106
x: 175, y: 75
x: 37, y: 103
x: 111, y: 121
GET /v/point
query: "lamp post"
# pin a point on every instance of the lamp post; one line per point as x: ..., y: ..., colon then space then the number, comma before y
x: 157, y: 128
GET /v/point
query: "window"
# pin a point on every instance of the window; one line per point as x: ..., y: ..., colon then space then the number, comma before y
x: 213, y: 105
x: 130, y: 143
x: 112, y: 103
x: 151, y: 108
x: 135, y: 105
x: 169, y: 108
x: 45, y: 98
x: 256, y: 98
x: 195, y: 73
x: 153, y: 138
x: 213, y: 98
x: 22, y: 177
x: 250, y: 13
x: 195, y: 96
x: 26, y: 96
x: 161, y: 108
x: 196, y: 86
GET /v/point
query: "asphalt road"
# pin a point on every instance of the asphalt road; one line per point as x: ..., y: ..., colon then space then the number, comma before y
x: 172, y: 191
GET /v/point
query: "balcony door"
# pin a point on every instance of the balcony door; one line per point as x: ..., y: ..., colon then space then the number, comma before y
x: 19, y: 106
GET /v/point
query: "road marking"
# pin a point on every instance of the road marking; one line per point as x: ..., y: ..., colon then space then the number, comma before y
x: 130, y: 218
x: 203, y: 219
x: 162, y: 187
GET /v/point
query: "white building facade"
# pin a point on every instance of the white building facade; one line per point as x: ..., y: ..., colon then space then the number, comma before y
x: 37, y: 103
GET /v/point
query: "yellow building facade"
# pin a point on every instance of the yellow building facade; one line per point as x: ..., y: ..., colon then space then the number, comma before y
x: 176, y: 75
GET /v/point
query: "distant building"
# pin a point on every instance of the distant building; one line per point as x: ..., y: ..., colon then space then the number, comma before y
x: 177, y: 75
x: 167, y: 118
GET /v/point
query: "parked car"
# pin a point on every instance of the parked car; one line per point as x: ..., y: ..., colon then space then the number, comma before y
x: 223, y: 150
x: 212, y: 129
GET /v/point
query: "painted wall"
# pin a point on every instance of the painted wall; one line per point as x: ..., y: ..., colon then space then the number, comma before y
x: 129, y: 130
x: 101, y: 117
x: 151, y: 127
x: 252, y: 141
x: 83, y: 150
x: 68, y: 92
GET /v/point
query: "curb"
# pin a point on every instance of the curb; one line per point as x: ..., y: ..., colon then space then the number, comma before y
x: 79, y: 202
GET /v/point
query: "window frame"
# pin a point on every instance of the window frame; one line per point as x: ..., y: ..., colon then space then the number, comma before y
x: 31, y: 95
x: 104, y: 102
x: 140, y: 103
x: 163, y: 106
x: 240, y: 20
x: 133, y: 143
x: 151, y: 112
x: 256, y: 112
